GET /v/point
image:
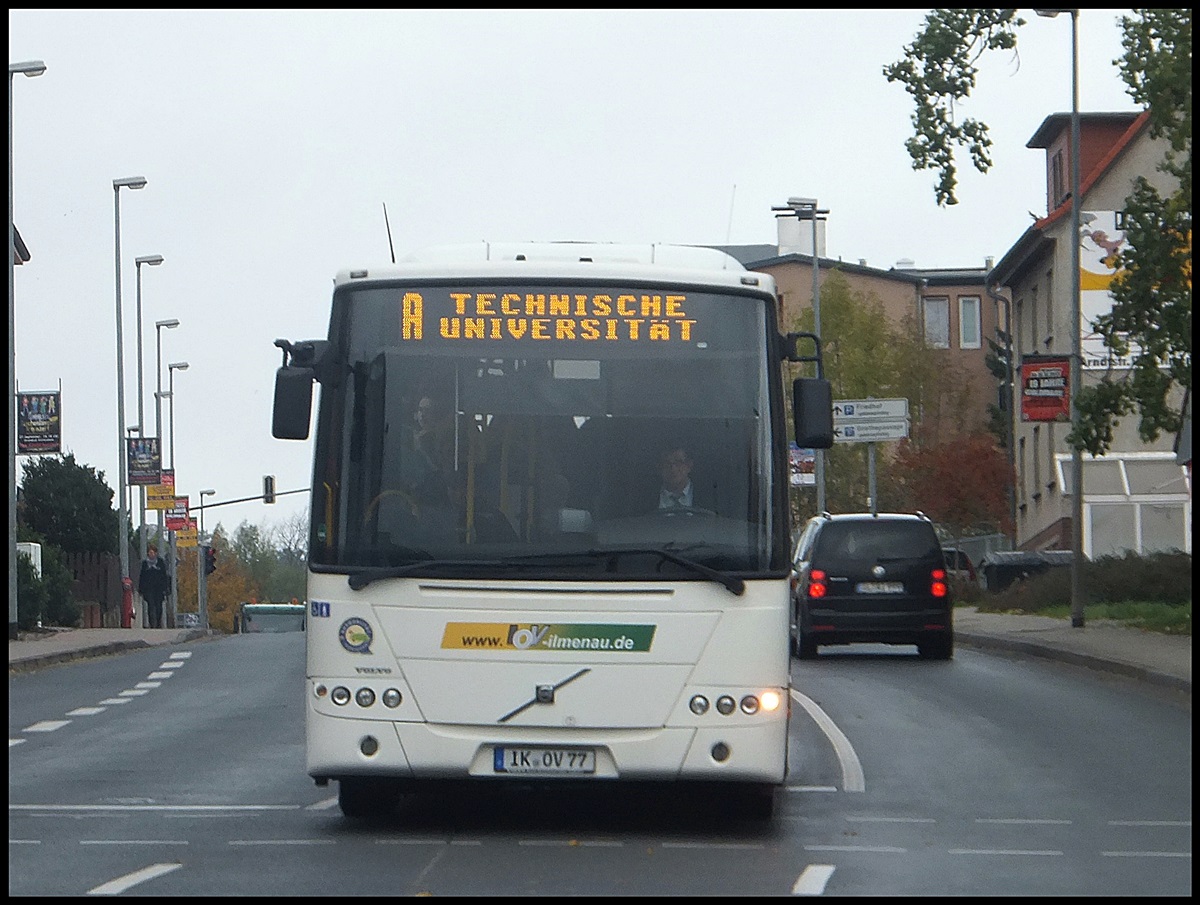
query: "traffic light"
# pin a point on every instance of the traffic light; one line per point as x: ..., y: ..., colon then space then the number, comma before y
x: 269, y: 488
x: 210, y: 560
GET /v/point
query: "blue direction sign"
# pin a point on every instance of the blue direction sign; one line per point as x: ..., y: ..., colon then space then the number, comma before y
x: 855, y: 410
x: 870, y: 431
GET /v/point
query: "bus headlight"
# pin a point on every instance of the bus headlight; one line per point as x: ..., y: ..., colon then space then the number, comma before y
x: 749, y: 704
x: 340, y: 695
x: 698, y: 704
x: 769, y: 701
x: 392, y: 698
x: 365, y: 697
x: 725, y: 704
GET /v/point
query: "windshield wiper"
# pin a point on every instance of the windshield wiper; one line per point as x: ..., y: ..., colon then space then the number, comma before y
x: 731, y: 582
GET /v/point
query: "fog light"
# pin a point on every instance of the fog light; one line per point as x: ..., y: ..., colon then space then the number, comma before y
x: 749, y: 704
x: 369, y: 745
x: 392, y: 698
x: 320, y: 691
x: 365, y: 697
x: 340, y: 695
x: 725, y: 704
x: 698, y: 704
x: 720, y: 751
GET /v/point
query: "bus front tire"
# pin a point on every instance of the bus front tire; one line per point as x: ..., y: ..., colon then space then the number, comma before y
x: 367, y: 799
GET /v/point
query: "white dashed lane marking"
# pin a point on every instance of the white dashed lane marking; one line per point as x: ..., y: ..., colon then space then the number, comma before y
x: 86, y: 711
x: 812, y: 881
x: 160, y: 675
x: 46, y: 726
x: 120, y: 884
x: 134, y: 692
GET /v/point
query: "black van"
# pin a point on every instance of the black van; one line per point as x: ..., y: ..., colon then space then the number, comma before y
x: 866, y: 577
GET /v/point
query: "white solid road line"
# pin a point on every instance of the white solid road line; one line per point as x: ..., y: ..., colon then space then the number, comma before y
x: 852, y: 772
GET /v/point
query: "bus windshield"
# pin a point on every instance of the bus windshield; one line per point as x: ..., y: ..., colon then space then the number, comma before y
x: 469, y: 425
x: 272, y: 617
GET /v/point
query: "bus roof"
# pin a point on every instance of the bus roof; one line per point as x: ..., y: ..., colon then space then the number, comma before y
x: 683, y: 264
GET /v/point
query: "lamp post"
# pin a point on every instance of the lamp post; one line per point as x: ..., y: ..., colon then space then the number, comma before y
x: 203, y: 494
x: 1077, y: 620
x: 170, y: 324
x: 30, y: 69
x: 127, y: 182
x: 153, y: 260
x: 807, y: 209
x: 171, y: 369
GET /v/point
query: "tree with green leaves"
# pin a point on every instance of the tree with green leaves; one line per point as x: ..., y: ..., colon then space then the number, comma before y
x: 1152, y: 303
x: 69, y: 504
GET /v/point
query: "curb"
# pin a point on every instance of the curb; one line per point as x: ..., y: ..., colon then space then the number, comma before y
x: 1074, y: 658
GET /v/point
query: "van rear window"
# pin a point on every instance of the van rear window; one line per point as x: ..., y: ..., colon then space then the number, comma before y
x: 877, y: 540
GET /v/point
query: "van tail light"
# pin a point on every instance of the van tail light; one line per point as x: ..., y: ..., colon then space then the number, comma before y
x: 816, y: 583
x: 937, y: 582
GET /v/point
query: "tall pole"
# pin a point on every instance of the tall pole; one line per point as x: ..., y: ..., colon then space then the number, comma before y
x: 172, y: 367
x: 1077, y: 620
x: 819, y: 458
x: 132, y: 182
x: 30, y: 69
x: 158, y: 328
x: 141, y: 392
x: 1076, y: 341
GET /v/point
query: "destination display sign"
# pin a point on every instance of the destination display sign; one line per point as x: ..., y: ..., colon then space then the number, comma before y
x: 507, y: 315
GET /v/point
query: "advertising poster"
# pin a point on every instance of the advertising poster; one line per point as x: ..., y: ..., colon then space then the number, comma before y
x: 39, y: 423
x: 1045, y: 388
x: 145, y: 464
x: 176, y: 518
x: 1101, y: 238
x: 803, y: 463
x: 162, y: 496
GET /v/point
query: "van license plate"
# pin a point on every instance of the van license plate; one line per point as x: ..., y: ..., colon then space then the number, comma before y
x: 544, y: 760
x: 880, y: 587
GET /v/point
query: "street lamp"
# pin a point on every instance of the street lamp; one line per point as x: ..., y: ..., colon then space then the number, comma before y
x: 1077, y: 620
x: 127, y: 182
x: 170, y: 324
x: 153, y: 260
x: 29, y: 68
x: 171, y: 369
x: 203, y: 494
x: 807, y: 209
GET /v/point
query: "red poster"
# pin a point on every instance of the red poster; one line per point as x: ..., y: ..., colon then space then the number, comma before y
x: 1045, y: 388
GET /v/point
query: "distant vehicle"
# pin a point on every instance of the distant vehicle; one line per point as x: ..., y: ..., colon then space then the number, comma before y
x: 188, y: 620
x: 865, y: 577
x: 270, y: 617
x: 959, y: 565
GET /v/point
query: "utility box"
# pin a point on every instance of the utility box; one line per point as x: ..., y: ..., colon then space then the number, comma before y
x: 34, y: 552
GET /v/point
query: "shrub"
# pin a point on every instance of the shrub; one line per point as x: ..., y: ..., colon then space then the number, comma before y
x: 1164, y: 578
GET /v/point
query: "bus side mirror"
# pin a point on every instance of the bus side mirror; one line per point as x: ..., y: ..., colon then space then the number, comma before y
x: 812, y: 411
x: 293, y: 403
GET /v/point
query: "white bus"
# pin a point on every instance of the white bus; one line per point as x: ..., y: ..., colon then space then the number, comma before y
x: 495, y: 592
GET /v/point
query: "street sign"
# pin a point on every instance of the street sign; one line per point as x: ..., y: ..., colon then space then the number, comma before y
x: 177, y: 516
x: 870, y: 431
x: 855, y: 410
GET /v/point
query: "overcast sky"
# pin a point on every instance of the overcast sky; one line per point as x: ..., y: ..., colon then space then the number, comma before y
x: 272, y: 140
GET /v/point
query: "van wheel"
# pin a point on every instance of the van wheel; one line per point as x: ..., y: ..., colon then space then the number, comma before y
x: 367, y: 799
x: 940, y: 648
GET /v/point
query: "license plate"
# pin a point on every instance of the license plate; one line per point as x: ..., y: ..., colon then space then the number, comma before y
x: 880, y: 587
x: 543, y: 760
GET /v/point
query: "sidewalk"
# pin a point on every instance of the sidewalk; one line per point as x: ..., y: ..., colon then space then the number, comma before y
x: 35, y: 650
x: 1159, y: 659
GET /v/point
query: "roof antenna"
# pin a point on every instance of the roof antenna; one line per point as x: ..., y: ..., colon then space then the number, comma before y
x: 391, y: 248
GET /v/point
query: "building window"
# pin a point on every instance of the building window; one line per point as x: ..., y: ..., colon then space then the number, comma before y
x: 937, y: 323
x: 1033, y: 317
x: 970, y: 333
x: 1058, y: 180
